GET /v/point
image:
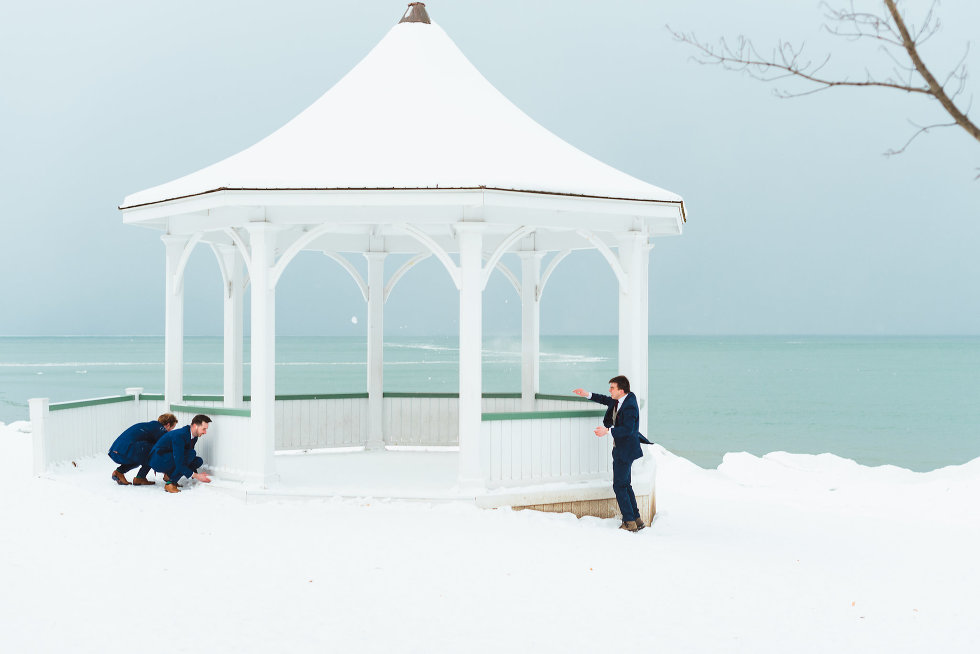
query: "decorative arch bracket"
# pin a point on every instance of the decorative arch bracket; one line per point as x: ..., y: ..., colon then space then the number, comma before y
x: 555, y: 260
x: 492, y: 261
x: 351, y: 270
x: 610, y: 256
x: 225, y: 274
x: 506, y: 272
x: 178, y: 280
x: 418, y: 258
x: 438, y: 251
x: 507, y: 243
x: 236, y: 239
x: 295, y: 248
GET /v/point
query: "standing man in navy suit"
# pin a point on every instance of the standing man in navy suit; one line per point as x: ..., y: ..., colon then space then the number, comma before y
x: 622, y: 420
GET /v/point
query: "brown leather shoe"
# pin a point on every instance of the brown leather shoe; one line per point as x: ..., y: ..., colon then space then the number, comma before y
x: 639, y: 521
x: 172, y: 488
x: 629, y: 525
x: 120, y: 478
x: 142, y: 481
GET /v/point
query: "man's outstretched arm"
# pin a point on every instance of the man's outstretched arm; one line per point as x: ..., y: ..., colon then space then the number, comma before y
x: 595, y: 397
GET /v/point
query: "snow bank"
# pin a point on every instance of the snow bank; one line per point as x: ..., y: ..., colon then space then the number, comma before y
x: 772, y: 554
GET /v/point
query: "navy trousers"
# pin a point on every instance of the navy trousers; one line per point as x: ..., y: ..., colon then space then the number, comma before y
x: 125, y: 465
x: 191, y: 460
x: 622, y: 474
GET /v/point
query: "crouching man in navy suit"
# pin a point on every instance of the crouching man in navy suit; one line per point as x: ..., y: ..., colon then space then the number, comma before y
x: 174, y: 454
x: 622, y: 420
x: 133, y: 446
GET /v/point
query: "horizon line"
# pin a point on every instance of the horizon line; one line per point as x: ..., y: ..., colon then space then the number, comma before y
x: 517, y: 336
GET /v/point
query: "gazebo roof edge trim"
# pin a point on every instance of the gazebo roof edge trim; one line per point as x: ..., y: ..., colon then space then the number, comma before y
x: 425, y: 188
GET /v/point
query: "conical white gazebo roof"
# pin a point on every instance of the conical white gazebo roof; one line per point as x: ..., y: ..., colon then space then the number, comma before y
x: 414, y: 114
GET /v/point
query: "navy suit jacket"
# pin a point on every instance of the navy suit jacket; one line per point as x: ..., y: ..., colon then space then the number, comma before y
x: 626, y: 431
x: 172, y: 453
x: 133, y: 445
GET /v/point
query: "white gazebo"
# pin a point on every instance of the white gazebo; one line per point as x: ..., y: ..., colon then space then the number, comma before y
x: 412, y: 152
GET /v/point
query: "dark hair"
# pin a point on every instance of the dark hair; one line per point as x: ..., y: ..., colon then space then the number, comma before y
x: 167, y: 419
x: 200, y: 418
x: 621, y: 382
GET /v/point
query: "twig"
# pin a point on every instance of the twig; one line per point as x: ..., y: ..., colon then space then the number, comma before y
x: 888, y: 28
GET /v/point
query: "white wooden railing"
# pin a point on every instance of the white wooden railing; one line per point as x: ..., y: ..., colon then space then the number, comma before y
x: 432, y: 419
x: 67, y: 431
x: 303, y: 422
x: 223, y: 447
x: 321, y: 421
x: 522, y: 448
x: 556, y: 442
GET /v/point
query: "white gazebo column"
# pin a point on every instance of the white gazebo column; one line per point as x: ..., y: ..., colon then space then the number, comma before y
x: 530, y: 327
x: 262, y: 437
x: 634, y: 318
x: 231, y: 262
x: 173, y: 348
x: 469, y: 238
x: 375, y: 349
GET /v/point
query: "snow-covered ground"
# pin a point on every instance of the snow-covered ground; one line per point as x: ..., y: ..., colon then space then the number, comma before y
x: 787, y: 553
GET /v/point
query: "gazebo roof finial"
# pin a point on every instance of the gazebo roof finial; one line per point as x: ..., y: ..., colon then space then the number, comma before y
x: 415, y: 14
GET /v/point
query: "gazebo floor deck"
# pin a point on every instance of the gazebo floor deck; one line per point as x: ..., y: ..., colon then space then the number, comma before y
x: 408, y: 475
x: 429, y: 476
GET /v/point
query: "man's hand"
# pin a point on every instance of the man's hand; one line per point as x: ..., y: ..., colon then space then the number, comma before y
x: 601, y: 431
x: 581, y: 392
x: 201, y: 476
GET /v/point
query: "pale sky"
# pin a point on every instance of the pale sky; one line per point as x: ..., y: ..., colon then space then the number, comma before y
x: 797, y: 223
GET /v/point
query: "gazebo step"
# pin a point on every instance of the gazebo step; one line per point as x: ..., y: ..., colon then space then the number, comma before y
x: 605, y: 508
x: 592, y: 498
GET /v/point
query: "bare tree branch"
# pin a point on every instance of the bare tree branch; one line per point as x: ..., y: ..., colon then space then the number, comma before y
x: 899, y: 41
x: 958, y: 73
x: 922, y: 130
x: 935, y: 89
x: 784, y: 62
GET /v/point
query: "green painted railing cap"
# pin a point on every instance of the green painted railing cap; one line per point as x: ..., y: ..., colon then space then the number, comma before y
x: 487, y: 396
x: 95, y: 401
x: 60, y: 406
x: 564, y: 398
x: 211, y: 410
x: 541, y: 415
x: 324, y: 396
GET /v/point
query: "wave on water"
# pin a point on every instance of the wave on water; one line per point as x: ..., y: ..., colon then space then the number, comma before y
x: 360, y: 363
x: 318, y: 363
x: 80, y: 364
x: 549, y: 357
x: 555, y: 357
x: 422, y: 346
x: 102, y: 364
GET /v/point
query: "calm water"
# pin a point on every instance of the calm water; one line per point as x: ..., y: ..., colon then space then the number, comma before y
x: 911, y: 402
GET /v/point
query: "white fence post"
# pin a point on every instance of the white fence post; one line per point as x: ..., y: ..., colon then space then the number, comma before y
x: 39, y: 415
x: 135, y: 391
